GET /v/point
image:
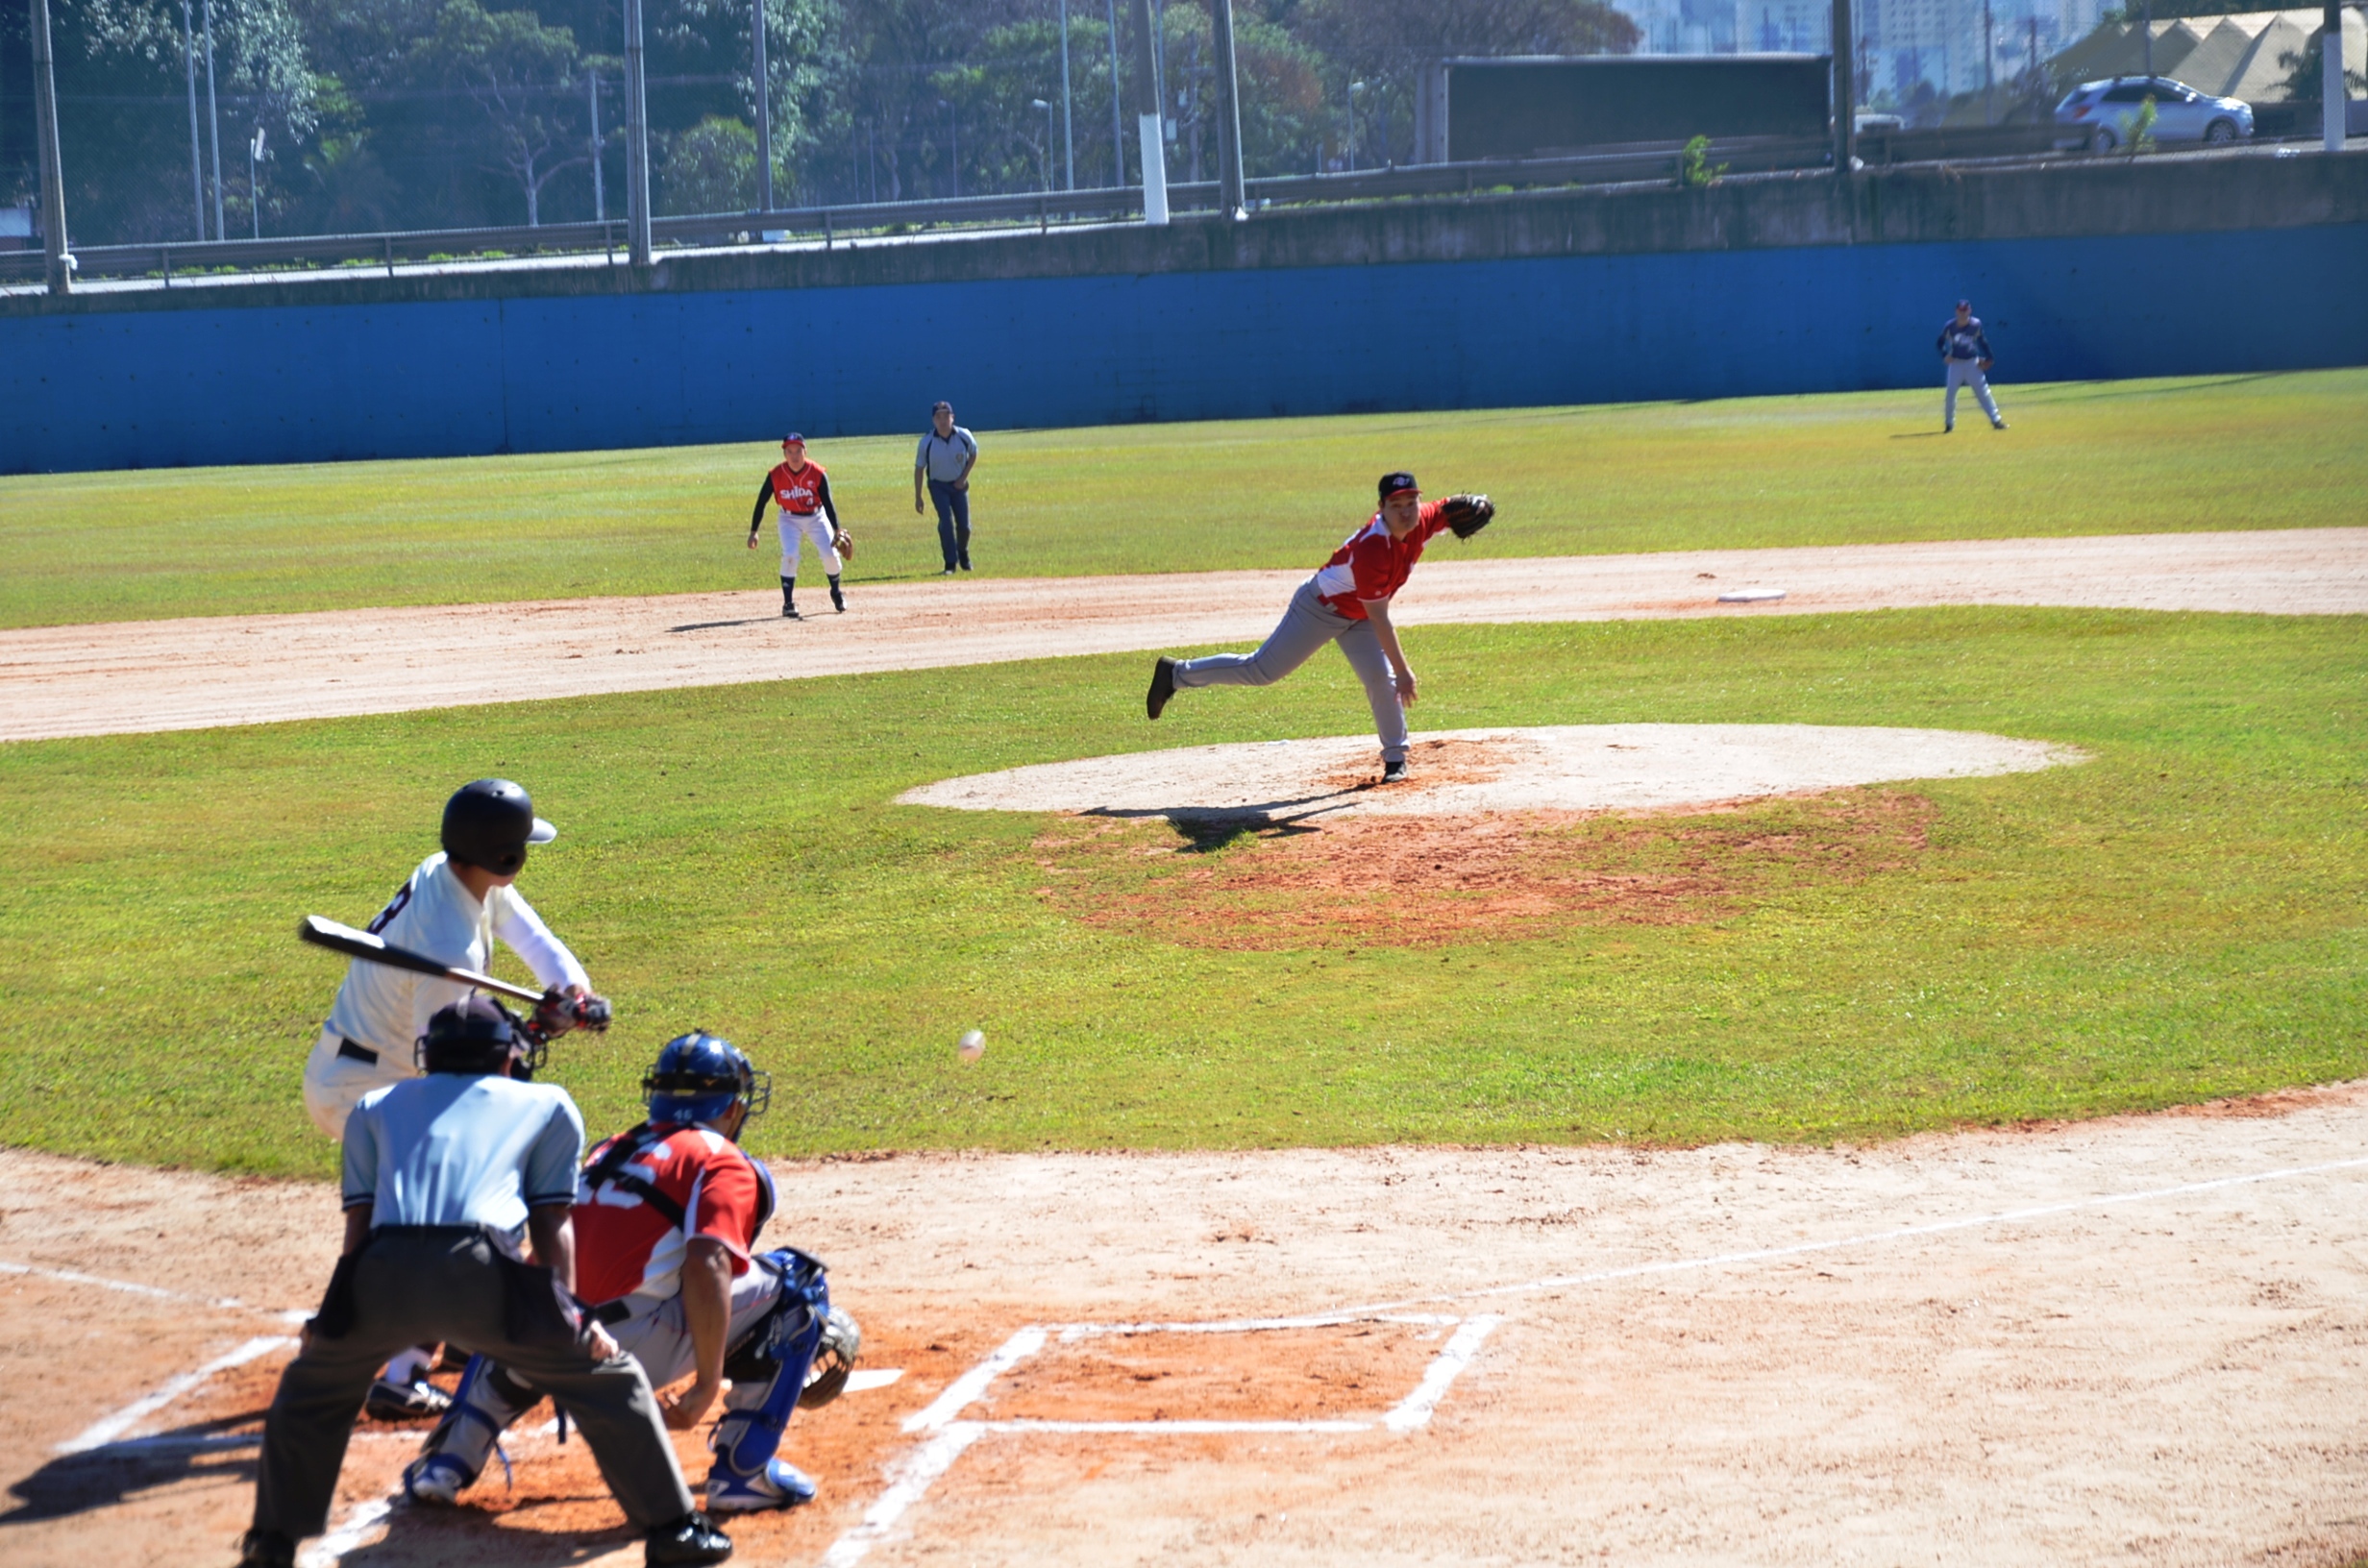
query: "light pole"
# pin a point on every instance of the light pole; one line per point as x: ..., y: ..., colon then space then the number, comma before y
x: 214, y: 115
x: 764, y: 108
x: 1230, y: 195
x: 1118, y: 124
x: 57, y: 262
x: 197, y: 166
x: 254, y: 190
x: 636, y: 142
x: 1354, y: 88
x: 1069, y: 134
x: 600, y: 180
x: 1046, y: 161
x: 1989, y: 63
x: 953, y: 143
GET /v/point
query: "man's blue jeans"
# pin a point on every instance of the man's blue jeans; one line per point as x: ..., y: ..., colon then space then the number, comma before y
x: 953, y: 523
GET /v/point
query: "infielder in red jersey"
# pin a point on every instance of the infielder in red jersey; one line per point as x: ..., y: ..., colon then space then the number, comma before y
x: 666, y: 1219
x: 1347, y: 601
x: 802, y: 492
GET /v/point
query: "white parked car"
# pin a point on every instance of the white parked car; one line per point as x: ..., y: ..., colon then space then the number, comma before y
x: 2104, y: 114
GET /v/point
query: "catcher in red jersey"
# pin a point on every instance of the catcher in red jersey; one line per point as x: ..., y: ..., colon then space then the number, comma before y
x: 802, y: 491
x: 666, y: 1221
x: 1347, y: 601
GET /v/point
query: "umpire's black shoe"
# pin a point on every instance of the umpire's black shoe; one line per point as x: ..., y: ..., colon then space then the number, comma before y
x: 1163, y: 687
x: 266, y: 1548
x: 691, y: 1538
x: 1393, y: 773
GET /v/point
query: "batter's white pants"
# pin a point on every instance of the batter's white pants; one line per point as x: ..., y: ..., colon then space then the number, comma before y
x: 1966, y: 373
x: 333, y: 1083
x: 1306, y: 627
x: 814, y: 525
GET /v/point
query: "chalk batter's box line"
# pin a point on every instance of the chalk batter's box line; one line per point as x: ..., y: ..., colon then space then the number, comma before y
x: 946, y: 1436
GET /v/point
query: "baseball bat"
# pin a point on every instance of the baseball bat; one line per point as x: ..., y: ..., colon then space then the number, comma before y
x: 374, y: 949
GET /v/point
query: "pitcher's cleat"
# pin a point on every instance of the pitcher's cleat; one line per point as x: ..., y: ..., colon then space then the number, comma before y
x: 778, y: 1486
x: 1393, y: 773
x: 1163, y: 687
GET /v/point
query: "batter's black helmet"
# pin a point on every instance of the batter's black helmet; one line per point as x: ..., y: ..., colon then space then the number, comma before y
x: 490, y: 824
x: 476, y: 1036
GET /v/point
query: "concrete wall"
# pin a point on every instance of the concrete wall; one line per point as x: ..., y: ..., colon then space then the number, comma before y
x: 1758, y: 287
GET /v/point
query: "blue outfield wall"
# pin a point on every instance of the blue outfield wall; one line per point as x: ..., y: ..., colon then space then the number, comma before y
x: 292, y: 383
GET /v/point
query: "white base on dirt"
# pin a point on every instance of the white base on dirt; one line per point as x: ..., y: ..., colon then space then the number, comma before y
x: 1560, y: 768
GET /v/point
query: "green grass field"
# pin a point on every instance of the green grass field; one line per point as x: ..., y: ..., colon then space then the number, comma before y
x: 2238, y: 451
x: 2179, y: 918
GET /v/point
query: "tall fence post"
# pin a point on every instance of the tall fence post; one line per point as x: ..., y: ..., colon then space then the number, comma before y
x: 636, y: 142
x: 2332, y: 92
x: 1148, y: 127
x: 764, y: 109
x: 1231, y: 194
x: 1844, y: 88
x: 58, y: 262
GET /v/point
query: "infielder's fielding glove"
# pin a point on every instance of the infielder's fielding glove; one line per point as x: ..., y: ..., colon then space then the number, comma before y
x: 843, y: 543
x: 1467, y: 515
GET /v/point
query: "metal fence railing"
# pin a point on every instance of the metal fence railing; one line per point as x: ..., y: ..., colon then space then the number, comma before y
x: 171, y: 263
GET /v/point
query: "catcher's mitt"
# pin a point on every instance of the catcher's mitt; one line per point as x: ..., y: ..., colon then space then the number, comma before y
x: 833, y: 1359
x: 1467, y: 515
x: 843, y: 543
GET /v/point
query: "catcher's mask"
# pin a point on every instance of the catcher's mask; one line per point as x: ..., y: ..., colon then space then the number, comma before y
x: 476, y: 1037
x: 490, y: 823
x: 699, y: 1077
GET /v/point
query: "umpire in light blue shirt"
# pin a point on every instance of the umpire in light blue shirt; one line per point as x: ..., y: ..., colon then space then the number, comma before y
x: 446, y: 1177
x: 947, y: 455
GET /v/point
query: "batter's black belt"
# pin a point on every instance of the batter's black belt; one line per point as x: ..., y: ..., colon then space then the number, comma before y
x: 352, y: 1052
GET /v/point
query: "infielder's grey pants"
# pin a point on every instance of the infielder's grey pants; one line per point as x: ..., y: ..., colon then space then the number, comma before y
x: 413, y: 1288
x: 1306, y: 627
x: 1966, y: 373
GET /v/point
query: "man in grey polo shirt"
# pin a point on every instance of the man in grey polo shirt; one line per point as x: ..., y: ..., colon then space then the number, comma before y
x: 947, y: 453
x: 445, y: 1176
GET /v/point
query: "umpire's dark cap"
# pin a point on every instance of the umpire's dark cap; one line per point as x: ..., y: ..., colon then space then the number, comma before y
x: 1392, y: 484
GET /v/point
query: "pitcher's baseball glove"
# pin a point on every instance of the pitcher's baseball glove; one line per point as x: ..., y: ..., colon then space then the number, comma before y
x: 843, y: 543
x: 1467, y: 515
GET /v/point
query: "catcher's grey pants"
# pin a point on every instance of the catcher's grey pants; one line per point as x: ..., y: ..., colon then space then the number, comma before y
x: 659, y: 1338
x: 1966, y: 373
x: 412, y: 1287
x: 1306, y: 627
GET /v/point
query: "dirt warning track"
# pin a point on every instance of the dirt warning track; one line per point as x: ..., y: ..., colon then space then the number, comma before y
x: 2133, y: 1340
x: 130, y: 676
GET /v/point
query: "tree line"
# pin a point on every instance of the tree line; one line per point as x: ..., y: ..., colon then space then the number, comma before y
x: 392, y: 114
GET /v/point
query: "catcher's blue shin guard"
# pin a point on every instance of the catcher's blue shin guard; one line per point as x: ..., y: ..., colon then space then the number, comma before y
x: 487, y: 1402
x: 767, y: 1373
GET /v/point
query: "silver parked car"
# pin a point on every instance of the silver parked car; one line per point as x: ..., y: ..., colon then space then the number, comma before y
x: 2103, y: 114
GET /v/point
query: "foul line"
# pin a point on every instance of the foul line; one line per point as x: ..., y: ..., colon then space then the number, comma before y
x: 1905, y: 1233
x: 157, y: 1292
x: 107, y: 1428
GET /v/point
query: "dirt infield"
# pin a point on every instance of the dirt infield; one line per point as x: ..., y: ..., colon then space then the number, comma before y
x: 193, y: 675
x: 2133, y: 1340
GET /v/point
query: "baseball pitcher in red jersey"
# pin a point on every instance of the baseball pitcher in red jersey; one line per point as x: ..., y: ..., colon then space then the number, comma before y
x: 802, y: 492
x: 1347, y: 601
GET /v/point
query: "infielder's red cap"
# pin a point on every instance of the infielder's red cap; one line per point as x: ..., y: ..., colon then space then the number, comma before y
x: 793, y: 439
x: 1397, y: 483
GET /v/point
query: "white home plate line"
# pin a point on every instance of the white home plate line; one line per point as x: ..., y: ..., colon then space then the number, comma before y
x: 1905, y: 1233
x: 910, y: 1476
x: 107, y: 1428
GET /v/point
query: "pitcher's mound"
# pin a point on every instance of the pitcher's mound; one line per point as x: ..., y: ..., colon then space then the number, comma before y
x: 1564, y: 768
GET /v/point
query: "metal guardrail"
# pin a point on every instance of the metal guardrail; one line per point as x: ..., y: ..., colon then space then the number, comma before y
x: 1040, y: 209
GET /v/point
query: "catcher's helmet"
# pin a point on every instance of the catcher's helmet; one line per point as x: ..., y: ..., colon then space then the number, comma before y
x: 476, y: 1036
x: 490, y: 823
x: 699, y: 1077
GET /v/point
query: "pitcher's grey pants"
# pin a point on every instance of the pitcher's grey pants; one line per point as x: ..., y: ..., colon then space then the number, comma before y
x: 1306, y: 627
x: 1966, y: 373
x: 418, y: 1286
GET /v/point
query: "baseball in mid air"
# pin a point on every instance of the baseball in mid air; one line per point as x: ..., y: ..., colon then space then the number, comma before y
x: 971, y: 1046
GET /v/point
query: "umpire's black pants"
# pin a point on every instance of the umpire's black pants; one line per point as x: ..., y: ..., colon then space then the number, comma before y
x: 409, y: 1288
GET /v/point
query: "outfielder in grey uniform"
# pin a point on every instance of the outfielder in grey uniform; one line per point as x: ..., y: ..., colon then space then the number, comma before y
x: 1966, y: 350
x: 446, y: 1176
